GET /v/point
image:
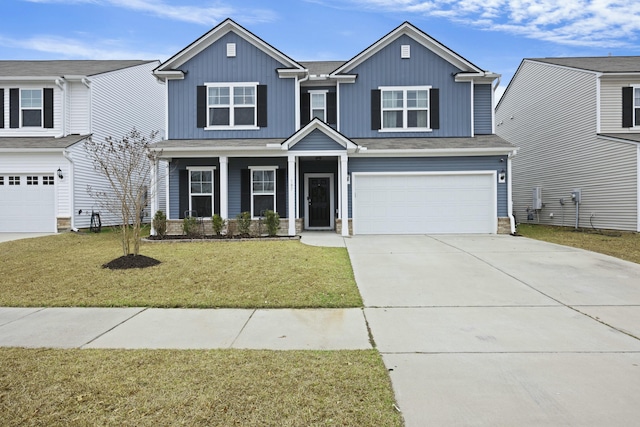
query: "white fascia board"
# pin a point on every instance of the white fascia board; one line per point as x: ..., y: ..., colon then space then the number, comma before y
x: 169, y: 75
x: 438, y: 152
x: 425, y: 40
x: 32, y: 150
x: 215, y: 34
x: 485, y: 77
x: 290, y: 73
x: 30, y: 78
x: 344, y: 78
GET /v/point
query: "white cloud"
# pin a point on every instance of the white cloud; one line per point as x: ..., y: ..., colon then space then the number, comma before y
x: 205, y: 15
x: 595, y: 23
x: 69, y: 48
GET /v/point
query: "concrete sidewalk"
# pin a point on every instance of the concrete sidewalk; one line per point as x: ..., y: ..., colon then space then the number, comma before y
x: 153, y: 328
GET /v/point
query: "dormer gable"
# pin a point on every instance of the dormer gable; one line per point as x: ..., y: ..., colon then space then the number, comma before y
x: 170, y: 69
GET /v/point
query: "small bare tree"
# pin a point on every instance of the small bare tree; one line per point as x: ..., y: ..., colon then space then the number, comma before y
x: 126, y: 165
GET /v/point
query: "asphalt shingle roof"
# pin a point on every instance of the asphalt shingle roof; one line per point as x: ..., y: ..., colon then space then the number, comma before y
x: 321, y: 67
x: 21, y: 142
x: 602, y: 64
x: 63, y: 68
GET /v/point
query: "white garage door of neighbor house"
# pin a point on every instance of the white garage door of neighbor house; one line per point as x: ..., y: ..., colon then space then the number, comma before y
x: 27, y: 203
x: 428, y: 203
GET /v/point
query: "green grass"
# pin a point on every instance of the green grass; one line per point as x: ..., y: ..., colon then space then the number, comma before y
x: 620, y: 244
x: 66, y: 270
x: 194, y: 388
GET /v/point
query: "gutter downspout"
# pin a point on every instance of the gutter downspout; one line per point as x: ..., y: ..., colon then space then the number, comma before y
x: 61, y: 83
x: 512, y: 220
x: 72, y: 193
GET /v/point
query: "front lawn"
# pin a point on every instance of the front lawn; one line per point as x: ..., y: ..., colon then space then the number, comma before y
x: 194, y: 388
x: 620, y: 244
x: 66, y: 270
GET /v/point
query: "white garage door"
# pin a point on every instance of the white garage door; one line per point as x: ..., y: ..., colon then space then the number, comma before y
x: 27, y: 203
x: 424, y: 203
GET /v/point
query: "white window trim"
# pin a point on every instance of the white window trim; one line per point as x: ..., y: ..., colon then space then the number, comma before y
x: 324, y: 107
x: 635, y: 125
x: 231, y: 126
x: 32, y: 109
x: 405, y: 89
x: 213, y: 185
x: 275, y: 186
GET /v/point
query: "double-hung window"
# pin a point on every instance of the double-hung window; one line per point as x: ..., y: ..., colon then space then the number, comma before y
x: 318, y: 105
x: 31, y: 107
x: 201, y: 191
x: 405, y: 108
x: 636, y: 106
x: 263, y: 190
x: 232, y: 105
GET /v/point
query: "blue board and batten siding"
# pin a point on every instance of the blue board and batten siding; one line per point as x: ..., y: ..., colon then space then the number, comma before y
x: 213, y: 66
x: 432, y: 164
x: 174, y: 180
x: 235, y: 167
x: 482, y: 109
x: 316, y: 140
x: 424, y: 68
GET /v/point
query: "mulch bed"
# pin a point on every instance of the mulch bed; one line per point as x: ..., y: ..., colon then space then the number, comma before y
x: 131, y: 261
x: 183, y: 237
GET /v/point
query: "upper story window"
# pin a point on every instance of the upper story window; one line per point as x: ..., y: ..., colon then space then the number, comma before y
x: 405, y: 108
x: 31, y: 107
x: 232, y: 105
x: 636, y: 106
x: 318, y: 105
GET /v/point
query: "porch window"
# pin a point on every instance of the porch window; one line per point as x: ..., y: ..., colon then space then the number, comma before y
x: 201, y: 191
x: 263, y: 190
x: 31, y: 107
x: 405, y: 108
x: 232, y: 105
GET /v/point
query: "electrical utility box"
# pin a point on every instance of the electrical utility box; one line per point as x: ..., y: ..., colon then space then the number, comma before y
x: 537, y: 198
x: 576, y: 195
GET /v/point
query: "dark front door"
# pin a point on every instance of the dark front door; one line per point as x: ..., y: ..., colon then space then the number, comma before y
x: 319, y: 202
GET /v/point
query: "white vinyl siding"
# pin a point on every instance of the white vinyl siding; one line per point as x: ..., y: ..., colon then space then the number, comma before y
x: 78, y: 109
x: 550, y: 113
x: 58, y: 116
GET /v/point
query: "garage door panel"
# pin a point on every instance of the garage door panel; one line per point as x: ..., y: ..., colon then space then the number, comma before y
x: 422, y: 204
x: 27, y: 208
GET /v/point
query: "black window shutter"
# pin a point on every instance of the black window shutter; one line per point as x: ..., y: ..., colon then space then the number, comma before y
x: 48, y: 108
x: 201, y: 106
x: 216, y: 189
x: 434, y: 113
x: 627, y: 107
x: 183, y: 189
x: 305, y: 109
x: 1, y: 108
x: 281, y: 192
x: 262, y: 106
x: 245, y: 190
x: 375, y: 109
x: 332, y: 108
x: 14, y: 108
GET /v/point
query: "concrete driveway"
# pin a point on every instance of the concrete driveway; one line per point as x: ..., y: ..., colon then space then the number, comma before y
x: 500, y: 330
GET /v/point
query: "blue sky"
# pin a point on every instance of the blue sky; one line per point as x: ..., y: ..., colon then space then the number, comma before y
x: 493, y: 34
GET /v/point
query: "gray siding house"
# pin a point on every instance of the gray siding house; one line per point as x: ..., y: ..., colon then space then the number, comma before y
x: 47, y: 110
x: 576, y: 122
x: 398, y: 139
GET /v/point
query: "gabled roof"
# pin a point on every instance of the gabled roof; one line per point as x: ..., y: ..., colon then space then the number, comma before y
x: 600, y: 64
x: 317, y: 124
x: 63, y: 68
x: 421, y: 37
x: 228, y: 25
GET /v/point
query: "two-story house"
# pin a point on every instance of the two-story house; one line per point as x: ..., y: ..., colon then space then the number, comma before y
x: 47, y: 110
x: 398, y: 139
x: 577, y: 123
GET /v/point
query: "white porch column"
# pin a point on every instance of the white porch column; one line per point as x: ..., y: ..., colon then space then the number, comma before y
x: 224, y: 187
x: 153, y: 193
x: 344, y: 202
x: 166, y: 188
x: 291, y: 192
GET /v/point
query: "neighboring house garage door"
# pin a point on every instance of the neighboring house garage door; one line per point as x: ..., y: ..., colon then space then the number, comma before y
x: 28, y: 203
x: 424, y: 203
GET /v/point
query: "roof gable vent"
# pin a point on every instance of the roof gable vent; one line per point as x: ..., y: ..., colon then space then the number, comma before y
x: 405, y: 51
x: 231, y: 50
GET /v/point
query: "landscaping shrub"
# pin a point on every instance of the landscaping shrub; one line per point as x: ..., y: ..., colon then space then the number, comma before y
x: 243, y: 221
x: 160, y: 223
x: 272, y: 221
x: 218, y: 223
x: 190, y: 226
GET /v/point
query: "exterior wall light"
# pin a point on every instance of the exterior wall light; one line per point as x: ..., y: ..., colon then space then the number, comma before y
x: 60, y: 173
